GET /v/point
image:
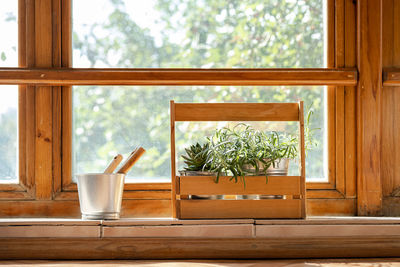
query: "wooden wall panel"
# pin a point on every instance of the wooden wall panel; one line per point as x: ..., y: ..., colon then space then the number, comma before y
x: 369, y: 93
x: 390, y: 162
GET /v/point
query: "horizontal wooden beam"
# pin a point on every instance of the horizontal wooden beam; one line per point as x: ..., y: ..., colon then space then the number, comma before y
x: 391, y: 77
x: 196, y: 248
x: 74, y: 76
x: 236, y: 112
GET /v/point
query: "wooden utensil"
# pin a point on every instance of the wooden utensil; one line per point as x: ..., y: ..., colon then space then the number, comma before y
x: 113, y: 164
x: 132, y: 159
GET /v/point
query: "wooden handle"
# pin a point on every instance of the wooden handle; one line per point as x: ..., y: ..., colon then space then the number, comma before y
x: 113, y: 164
x: 133, y: 158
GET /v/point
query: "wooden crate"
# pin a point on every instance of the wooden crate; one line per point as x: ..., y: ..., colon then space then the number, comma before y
x: 292, y: 187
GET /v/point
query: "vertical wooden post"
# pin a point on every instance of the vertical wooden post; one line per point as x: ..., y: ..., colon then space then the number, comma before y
x: 369, y: 91
x: 302, y: 160
x: 173, y: 163
x: 44, y: 131
x: 66, y: 109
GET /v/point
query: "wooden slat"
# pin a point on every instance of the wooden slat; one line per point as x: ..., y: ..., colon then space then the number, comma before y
x: 68, y: 76
x: 205, y: 185
x: 268, y: 208
x: 237, y: 112
x: 369, y: 107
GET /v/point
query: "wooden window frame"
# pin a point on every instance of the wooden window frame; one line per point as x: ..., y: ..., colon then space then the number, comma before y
x: 46, y: 120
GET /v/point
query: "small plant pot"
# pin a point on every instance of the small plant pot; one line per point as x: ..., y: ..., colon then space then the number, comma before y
x: 200, y: 173
x: 100, y: 195
x: 279, y: 168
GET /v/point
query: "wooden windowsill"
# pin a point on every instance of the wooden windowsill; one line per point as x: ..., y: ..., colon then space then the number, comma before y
x: 171, y: 238
x: 173, y: 228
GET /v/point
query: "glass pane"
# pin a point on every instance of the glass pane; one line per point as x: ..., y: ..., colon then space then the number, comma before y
x: 9, y: 94
x: 8, y: 134
x: 9, y: 28
x: 108, y: 120
x: 199, y: 33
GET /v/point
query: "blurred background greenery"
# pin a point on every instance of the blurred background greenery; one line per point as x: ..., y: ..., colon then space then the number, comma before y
x: 189, y: 34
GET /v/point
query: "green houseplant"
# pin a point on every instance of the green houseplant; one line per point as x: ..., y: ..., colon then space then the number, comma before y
x: 242, y: 151
x: 196, y: 160
x: 196, y: 164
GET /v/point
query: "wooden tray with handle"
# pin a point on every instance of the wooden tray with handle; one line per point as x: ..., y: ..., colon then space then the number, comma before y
x: 292, y: 187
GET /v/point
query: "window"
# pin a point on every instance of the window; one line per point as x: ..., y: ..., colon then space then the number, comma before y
x: 70, y: 111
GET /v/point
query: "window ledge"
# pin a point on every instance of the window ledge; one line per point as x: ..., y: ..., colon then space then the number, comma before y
x: 171, y: 238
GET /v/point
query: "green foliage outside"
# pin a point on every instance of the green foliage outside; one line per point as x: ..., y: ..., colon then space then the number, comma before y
x: 8, y: 113
x: 211, y: 34
x: 8, y: 145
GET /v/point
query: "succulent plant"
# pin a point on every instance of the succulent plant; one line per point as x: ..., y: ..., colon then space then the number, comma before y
x: 196, y: 157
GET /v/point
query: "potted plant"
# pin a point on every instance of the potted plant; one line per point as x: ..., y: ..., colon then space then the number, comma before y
x: 243, y: 151
x: 196, y: 165
x: 195, y: 161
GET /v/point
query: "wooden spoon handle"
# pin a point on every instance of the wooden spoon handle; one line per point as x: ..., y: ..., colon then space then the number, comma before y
x: 133, y: 158
x: 113, y: 164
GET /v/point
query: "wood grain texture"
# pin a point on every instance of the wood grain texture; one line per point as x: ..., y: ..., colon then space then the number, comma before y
x: 72, y: 187
x: 44, y: 101
x: 350, y: 94
x: 70, y: 209
x: 57, y: 96
x: 390, y: 109
x: 49, y: 231
x: 236, y: 112
x: 205, y: 185
x: 172, y: 248
x: 369, y: 107
x: 302, y: 163
x: 128, y: 194
x: 266, y: 208
x: 67, y: 76
x: 323, y: 193
x: 331, y: 207
x: 318, y: 231
x: 179, y: 231
x: 391, y: 77
x: 44, y: 144
x: 174, y: 179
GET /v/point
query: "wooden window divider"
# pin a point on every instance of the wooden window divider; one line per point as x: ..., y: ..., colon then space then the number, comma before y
x: 266, y: 77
